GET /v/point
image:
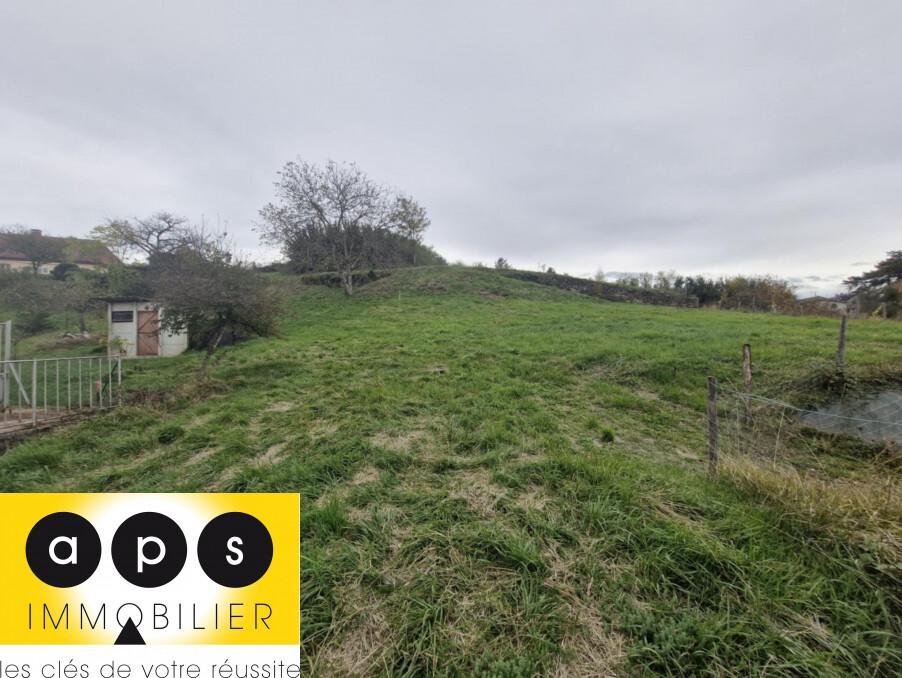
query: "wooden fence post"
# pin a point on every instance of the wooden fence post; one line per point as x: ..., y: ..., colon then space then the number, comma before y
x: 841, y: 347
x: 712, y: 425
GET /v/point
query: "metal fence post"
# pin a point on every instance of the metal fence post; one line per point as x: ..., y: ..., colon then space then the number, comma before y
x: 6, y: 348
x: 712, y: 426
x: 34, y: 392
x: 747, y: 383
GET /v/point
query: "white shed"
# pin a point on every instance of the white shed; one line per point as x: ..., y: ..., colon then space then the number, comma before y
x: 134, y: 329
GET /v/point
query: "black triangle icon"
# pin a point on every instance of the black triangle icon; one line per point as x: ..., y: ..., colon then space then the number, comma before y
x: 130, y: 635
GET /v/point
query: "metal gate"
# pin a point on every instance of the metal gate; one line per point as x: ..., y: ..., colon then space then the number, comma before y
x: 42, y: 389
x: 6, y: 353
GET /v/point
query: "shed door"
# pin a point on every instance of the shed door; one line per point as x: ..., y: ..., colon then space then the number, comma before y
x: 148, y: 333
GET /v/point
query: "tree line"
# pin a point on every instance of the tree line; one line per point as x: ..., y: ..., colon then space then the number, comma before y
x: 752, y: 293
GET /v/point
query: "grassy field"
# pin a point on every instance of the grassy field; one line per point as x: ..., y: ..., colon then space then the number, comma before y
x: 503, y: 479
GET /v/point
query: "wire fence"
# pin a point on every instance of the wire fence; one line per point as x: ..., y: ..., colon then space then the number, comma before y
x: 836, y: 466
x: 756, y: 424
x: 764, y: 427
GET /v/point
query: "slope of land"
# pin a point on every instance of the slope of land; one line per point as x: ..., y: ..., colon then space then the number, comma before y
x: 500, y: 478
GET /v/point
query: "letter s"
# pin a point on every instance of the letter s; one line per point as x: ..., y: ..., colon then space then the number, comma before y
x: 238, y: 558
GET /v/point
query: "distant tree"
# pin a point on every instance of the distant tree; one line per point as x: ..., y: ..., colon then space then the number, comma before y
x: 551, y: 270
x: 160, y: 233
x: 32, y: 298
x: 61, y: 271
x: 758, y: 293
x: 334, y: 217
x: 599, y: 275
x: 502, y: 264
x: 37, y: 248
x: 707, y: 290
x: 664, y: 280
x: 646, y: 280
x: 887, y: 272
x: 409, y: 220
x: 79, y: 294
x: 885, y: 280
x: 205, y: 289
x: 628, y: 279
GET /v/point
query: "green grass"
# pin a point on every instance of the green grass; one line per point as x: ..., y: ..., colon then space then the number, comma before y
x: 504, y: 479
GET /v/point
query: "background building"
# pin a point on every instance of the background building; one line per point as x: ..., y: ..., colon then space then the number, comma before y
x: 32, y: 250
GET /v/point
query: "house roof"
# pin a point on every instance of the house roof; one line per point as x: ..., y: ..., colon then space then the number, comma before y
x: 124, y: 300
x: 72, y: 250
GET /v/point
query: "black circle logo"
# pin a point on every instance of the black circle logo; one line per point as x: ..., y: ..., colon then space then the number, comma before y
x: 149, y: 550
x: 235, y: 550
x: 63, y: 549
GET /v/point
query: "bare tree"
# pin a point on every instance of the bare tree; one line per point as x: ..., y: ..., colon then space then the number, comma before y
x: 502, y: 264
x: 160, y: 233
x: 204, y: 288
x: 334, y: 217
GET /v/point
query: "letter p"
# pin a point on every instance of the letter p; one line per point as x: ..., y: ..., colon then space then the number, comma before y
x: 143, y: 559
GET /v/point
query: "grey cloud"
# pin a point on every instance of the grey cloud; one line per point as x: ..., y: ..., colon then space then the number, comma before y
x: 746, y: 137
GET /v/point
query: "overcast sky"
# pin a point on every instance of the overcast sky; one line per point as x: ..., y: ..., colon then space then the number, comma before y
x: 715, y: 137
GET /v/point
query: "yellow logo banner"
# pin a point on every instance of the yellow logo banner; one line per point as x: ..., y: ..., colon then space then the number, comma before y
x: 136, y: 569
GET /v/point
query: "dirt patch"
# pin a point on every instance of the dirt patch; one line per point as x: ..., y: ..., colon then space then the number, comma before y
x: 201, y: 456
x: 341, y: 491
x: 283, y: 406
x: 475, y: 486
x: 200, y: 421
x: 321, y: 428
x: 273, y: 455
x: 133, y: 464
x: 223, y: 479
x: 360, y: 514
x: 533, y: 499
x: 592, y: 647
x: 432, y: 286
x: 399, y: 442
x: 359, y: 648
x: 488, y: 294
x: 364, y: 476
x: 399, y: 571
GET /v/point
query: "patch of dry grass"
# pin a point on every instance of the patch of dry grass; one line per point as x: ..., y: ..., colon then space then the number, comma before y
x: 475, y: 486
x: 360, y: 642
x: 867, y: 509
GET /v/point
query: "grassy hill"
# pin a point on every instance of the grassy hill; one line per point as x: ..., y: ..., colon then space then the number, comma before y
x: 503, y: 479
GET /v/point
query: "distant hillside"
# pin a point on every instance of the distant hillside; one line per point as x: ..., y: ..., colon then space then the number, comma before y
x: 479, y: 280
